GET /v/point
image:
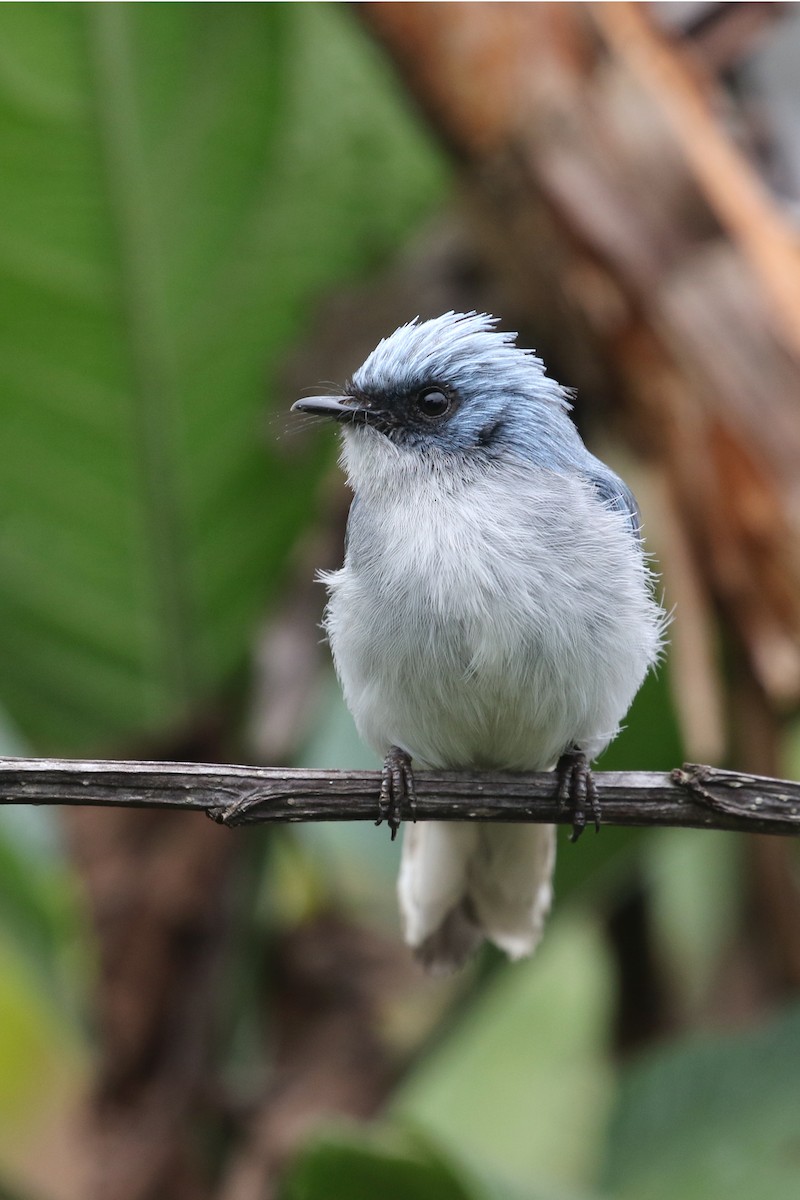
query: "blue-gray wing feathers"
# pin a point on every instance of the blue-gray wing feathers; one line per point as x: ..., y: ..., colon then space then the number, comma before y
x: 617, y: 496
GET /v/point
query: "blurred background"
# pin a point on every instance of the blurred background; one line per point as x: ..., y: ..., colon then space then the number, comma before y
x: 205, y: 211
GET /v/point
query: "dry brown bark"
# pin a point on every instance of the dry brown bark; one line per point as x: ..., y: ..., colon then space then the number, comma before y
x: 690, y: 797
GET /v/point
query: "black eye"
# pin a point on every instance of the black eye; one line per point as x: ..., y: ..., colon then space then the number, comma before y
x: 432, y: 402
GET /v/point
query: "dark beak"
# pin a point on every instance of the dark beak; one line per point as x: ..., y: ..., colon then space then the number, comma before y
x: 341, y: 408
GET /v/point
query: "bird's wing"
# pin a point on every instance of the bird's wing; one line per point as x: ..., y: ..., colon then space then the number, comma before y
x: 616, y: 496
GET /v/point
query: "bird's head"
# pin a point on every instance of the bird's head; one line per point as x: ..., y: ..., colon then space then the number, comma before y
x: 454, y: 385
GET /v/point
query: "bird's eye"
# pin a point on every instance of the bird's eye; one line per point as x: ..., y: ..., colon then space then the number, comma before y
x: 433, y: 402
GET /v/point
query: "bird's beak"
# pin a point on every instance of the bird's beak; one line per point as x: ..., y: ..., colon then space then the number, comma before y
x: 341, y: 408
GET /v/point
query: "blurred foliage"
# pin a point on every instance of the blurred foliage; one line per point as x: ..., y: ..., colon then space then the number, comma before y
x: 179, y: 183
x: 40, y: 910
x: 38, y: 1056
x: 179, y: 186
x: 713, y: 1117
x: 394, y: 1164
x: 526, y: 1071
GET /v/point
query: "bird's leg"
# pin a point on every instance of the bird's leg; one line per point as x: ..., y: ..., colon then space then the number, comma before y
x: 397, y: 785
x: 576, y: 787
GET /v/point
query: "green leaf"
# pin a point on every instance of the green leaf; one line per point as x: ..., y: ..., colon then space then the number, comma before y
x: 178, y: 182
x: 394, y: 1163
x: 714, y: 1117
x: 40, y: 912
x: 353, y: 1167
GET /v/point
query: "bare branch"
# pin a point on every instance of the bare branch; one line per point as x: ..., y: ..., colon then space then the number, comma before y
x: 695, y: 797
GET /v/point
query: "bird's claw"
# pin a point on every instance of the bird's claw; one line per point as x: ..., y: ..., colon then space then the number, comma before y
x: 397, y: 786
x: 577, y: 790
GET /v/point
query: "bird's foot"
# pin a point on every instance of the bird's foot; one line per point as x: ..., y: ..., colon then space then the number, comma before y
x: 397, y: 786
x: 577, y: 790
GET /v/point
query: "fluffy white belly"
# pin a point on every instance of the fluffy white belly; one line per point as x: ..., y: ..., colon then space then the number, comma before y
x: 492, y: 623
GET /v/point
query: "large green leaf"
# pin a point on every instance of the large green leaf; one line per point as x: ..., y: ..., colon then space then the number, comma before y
x: 177, y: 182
x: 713, y: 1118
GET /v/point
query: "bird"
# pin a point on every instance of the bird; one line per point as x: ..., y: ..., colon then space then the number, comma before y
x: 495, y: 610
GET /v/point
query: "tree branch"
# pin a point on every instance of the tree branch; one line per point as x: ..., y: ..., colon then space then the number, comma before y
x: 695, y: 797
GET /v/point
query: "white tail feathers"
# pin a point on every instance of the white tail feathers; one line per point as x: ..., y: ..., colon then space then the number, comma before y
x: 462, y: 882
